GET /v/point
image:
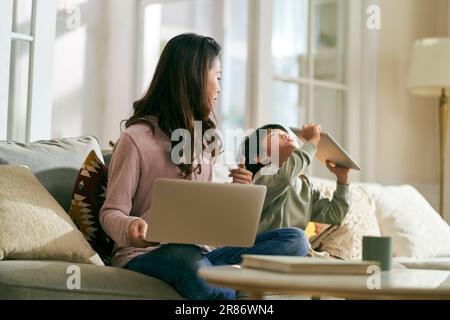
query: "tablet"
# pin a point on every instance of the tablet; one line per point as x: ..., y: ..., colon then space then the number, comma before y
x: 329, y: 150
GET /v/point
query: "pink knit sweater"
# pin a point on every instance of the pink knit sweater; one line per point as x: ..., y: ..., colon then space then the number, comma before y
x: 138, y: 159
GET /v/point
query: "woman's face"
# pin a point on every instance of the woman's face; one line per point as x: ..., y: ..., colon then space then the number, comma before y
x: 213, y: 84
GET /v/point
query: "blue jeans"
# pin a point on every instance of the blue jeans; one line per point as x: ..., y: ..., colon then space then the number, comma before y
x: 177, y: 265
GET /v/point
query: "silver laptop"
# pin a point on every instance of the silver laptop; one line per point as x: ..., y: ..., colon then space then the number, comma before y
x: 186, y: 212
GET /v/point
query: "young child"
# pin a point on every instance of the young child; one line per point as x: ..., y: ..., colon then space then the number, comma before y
x: 291, y: 200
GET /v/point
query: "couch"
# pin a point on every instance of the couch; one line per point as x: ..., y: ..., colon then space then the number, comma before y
x: 421, y: 238
x: 56, y: 164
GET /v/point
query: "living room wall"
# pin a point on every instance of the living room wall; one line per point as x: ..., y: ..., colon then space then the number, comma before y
x: 94, y: 70
x: 79, y: 86
x: 407, y: 129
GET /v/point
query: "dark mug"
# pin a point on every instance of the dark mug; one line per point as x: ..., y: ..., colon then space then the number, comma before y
x: 378, y: 249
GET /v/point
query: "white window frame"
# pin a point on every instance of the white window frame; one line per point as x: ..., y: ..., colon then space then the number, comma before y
x: 6, y: 18
x: 140, y: 41
x: 259, y: 69
x: 361, y: 84
x: 310, y: 82
x: 39, y: 105
x: 369, y: 94
x: 260, y: 27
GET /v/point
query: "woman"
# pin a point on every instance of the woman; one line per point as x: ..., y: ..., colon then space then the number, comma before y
x: 184, y: 89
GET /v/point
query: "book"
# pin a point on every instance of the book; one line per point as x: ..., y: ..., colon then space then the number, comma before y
x: 304, y: 265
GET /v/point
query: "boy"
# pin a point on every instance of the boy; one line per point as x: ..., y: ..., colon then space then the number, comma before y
x: 291, y: 200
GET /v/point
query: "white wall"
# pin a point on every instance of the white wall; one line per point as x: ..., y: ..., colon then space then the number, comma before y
x: 94, y: 70
x: 79, y: 89
x: 407, y: 134
x: 120, y: 67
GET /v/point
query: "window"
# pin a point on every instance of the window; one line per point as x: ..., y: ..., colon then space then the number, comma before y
x: 19, y: 69
x: 27, y: 32
x: 284, y: 61
x: 224, y: 20
x: 309, y: 55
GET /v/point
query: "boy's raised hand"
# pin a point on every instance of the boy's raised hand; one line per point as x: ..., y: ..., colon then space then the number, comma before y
x: 311, y: 133
x: 342, y: 174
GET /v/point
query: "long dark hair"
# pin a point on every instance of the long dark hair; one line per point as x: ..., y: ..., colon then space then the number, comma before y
x: 250, y: 152
x: 177, y: 95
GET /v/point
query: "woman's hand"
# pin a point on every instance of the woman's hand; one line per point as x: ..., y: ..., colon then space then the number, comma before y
x: 137, y: 233
x: 342, y: 174
x: 241, y: 175
x: 311, y: 133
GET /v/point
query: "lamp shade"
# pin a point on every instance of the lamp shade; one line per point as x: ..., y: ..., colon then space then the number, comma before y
x: 430, y: 67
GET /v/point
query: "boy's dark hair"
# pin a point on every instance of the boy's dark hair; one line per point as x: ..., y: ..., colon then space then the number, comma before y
x: 250, y: 152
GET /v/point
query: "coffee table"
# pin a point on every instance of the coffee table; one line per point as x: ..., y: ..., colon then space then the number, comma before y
x: 396, y: 284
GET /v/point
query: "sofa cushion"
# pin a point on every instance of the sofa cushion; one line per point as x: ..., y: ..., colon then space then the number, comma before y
x: 55, y: 162
x: 33, y: 225
x: 416, y: 228
x: 88, y: 197
x: 49, y: 280
x: 345, y: 241
x: 405, y: 215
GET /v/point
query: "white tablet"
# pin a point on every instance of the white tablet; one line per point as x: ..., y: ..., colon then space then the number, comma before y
x: 329, y: 150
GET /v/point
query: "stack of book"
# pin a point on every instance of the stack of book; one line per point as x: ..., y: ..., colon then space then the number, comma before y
x: 303, y: 265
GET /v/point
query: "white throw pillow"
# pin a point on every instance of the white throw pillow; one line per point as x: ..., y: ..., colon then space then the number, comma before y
x: 33, y: 225
x: 403, y: 214
x: 416, y: 228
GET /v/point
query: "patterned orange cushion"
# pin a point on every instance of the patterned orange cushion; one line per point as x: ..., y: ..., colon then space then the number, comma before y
x: 88, y: 197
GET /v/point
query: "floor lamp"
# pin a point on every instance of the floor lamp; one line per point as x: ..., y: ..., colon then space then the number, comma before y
x: 430, y: 77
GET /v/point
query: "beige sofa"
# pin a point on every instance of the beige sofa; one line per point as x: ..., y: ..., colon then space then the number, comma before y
x: 56, y: 164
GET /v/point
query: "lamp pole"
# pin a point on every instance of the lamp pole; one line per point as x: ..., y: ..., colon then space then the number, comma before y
x: 443, y: 123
